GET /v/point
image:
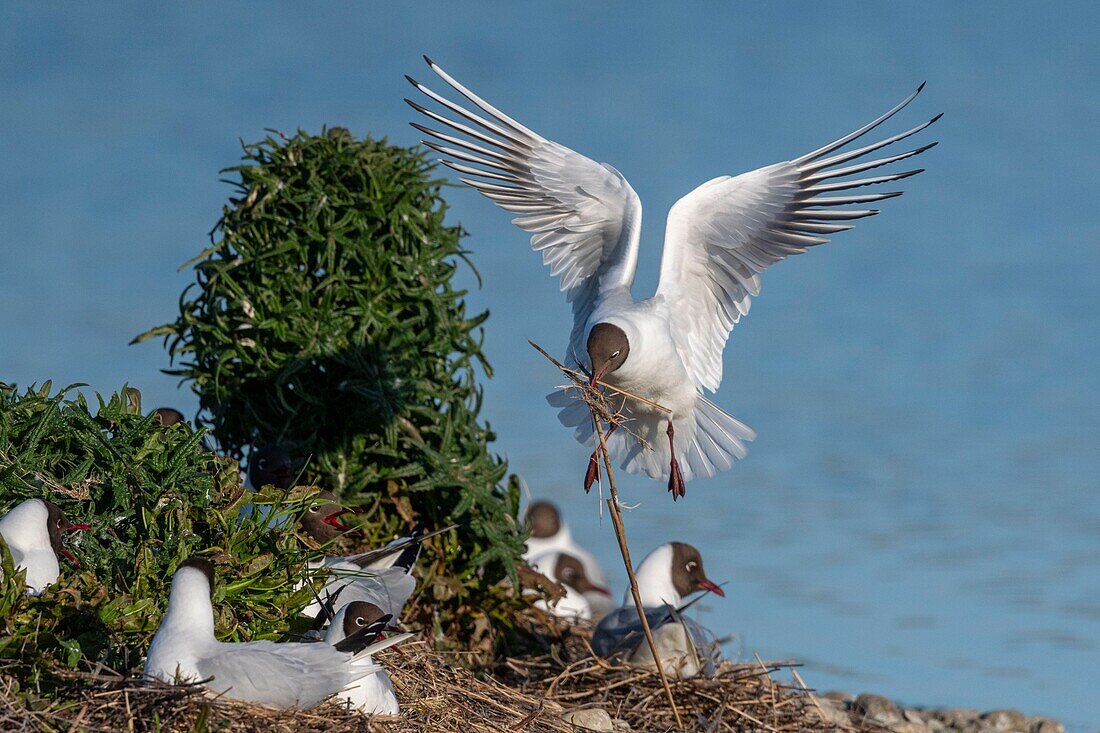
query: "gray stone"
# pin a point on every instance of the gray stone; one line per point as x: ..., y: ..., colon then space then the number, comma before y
x: 913, y: 716
x: 1040, y: 724
x: 935, y: 725
x: 834, y: 712
x: 907, y: 726
x: 957, y: 719
x: 877, y: 708
x: 1006, y: 720
x: 596, y: 719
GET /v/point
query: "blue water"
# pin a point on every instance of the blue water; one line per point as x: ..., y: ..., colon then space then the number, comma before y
x: 919, y: 516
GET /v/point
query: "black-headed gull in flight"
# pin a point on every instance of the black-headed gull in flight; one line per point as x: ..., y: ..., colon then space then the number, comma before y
x: 665, y: 577
x: 372, y: 694
x: 280, y: 675
x: 585, y: 219
x: 550, y: 532
x: 33, y: 531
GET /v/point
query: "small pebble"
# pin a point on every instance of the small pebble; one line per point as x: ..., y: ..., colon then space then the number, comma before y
x: 1006, y: 720
x: 1046, y: 725
x: 878, y: 708
x: 596, y: 719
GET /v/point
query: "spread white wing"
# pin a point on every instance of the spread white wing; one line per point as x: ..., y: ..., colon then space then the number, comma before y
x: 584, y: 217
x: 724, y: 233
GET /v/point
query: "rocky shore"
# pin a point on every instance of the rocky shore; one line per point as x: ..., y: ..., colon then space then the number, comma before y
x: 845, y: 711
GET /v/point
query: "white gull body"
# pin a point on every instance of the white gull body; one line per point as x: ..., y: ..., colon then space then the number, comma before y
x: 562, y: 541
x: 264, y: 672
x: 574, y: 605
x: 25, y: 532
x: 585, y: 219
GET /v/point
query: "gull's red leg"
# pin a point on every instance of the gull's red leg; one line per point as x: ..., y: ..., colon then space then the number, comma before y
x: 593, y: 472
x: 675, y: 477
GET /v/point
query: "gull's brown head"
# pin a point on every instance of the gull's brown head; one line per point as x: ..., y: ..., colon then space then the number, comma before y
x: 169, y: 416
x: 322, y: 521
x: 544, y: 519
x: 270, y: 465
x: 607, y: 350
x: 687, y: 571
x: 570, y: 571
x: 57, y: 525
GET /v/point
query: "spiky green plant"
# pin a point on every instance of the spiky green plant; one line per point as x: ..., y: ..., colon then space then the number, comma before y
x: 153, y: 496
x: 324, y: 318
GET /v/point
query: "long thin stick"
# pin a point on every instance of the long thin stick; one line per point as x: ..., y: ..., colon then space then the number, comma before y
x: 620, y: 534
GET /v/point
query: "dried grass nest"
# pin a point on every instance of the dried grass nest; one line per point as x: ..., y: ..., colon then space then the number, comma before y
x: 533, y: 694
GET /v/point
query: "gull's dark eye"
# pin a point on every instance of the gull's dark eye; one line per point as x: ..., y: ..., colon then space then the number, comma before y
x: 360, y: 621
x: 691, y: 566
x: 615, y: 354
x: 263, y: 464
x: 58, y: 523
x: 314, y: 509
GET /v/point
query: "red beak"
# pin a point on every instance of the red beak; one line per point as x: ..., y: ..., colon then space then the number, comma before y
x: 596, y: 377
x: 78, y: 527
x: 707, y: 585
x: 600, y: 589
x: 333, y: 521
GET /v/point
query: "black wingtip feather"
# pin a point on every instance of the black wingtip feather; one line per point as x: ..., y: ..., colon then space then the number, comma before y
x: 921, y: 87
x: 428, y: 60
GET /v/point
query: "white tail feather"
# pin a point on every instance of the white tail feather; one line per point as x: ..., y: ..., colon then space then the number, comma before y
x: 708, y: 440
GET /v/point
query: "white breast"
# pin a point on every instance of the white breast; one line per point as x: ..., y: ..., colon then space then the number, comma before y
x: 372, y: 695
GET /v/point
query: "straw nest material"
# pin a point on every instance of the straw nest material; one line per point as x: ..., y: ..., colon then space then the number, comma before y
x: 539, y: 694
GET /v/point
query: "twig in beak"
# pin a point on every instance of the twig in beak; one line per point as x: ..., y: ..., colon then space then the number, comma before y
x: 584, y: 380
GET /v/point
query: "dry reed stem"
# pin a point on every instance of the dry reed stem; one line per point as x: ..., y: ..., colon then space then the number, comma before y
x: 624, y: 549
x: 597, y: 405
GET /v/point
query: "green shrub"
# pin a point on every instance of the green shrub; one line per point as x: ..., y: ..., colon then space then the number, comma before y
x: 153, y: 497
x: 324, y: 319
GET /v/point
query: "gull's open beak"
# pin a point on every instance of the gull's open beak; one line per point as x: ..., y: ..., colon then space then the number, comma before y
x: 332, y: 520
x: 600, y: 589
x: 65, y: 553
x: 708, y: 585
